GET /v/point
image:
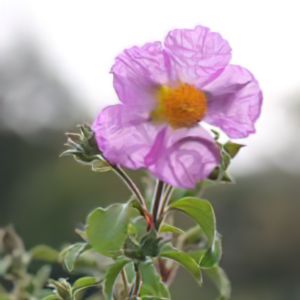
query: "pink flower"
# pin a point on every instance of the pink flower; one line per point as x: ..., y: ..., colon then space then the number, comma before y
x: 166, y: 91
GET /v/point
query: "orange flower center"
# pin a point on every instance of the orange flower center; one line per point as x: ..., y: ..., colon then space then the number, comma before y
x: 182, y: 106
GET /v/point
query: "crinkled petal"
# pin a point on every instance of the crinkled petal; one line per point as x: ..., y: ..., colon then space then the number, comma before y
x: 137, y: 72
x: 196, y: 56
x: 124, y: 136
x: 183, y: 157
x: 234, y: 102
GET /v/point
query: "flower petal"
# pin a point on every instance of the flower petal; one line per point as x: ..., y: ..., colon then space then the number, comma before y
x: 196, y: 55
x: 137, y: 72
x: 124, y: 136
x: 234, y: 102
x: 183, y: 157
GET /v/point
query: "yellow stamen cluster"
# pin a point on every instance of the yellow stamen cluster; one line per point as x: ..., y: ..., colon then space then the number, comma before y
x: 181, y: 106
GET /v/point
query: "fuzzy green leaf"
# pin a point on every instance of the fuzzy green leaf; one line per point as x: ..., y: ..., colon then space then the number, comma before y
x: 201, y: 211
x: 107, y: 228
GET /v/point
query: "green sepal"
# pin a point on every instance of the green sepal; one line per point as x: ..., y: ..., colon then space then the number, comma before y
x: 150, y: 244
x: 232, y: 148
x: 82, y: 145
x: 100, y: 165
x: 228, y: 151
x: 133, y: 250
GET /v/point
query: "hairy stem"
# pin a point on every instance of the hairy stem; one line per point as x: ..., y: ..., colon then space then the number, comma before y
x: 134, y: 293
x: 125, y: 282
x: 132, y: 186
x: 156, y: 201
x: 165, y: 201
x: 180, y: 245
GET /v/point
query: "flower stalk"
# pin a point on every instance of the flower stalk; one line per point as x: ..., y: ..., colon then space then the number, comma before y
x: 164, y: 203
x: 133, y: 188
x: 134, y: 293
x: 156, y: 201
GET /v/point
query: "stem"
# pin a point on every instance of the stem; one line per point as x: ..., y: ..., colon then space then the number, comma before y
x: 134, y: 293
x: 125, y: 282
x: 201, y: 189
x: 156, y: 201
x: 165, y: 201
x: 180, y: 245
x: 132, y: 186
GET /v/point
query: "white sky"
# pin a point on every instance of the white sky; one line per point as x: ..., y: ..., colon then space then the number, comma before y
x: 81, y: 38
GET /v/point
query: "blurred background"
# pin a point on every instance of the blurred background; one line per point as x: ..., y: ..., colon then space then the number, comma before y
x: 55, y: 58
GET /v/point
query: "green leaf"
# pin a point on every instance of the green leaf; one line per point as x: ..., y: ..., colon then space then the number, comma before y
x: 166, y: 228
x: 71, y: 254
x: 45, y: 253
x: 213, y: 255
x: 107, y: 228
x: 111, y: 276
x: 84, y: 283
x: 221, y: 281
x: 221, y: 174
x: 183, y: 259
x: 201, y: 211
x: 153, y: 287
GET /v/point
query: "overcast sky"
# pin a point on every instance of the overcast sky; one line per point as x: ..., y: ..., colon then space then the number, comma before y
x: 81, y: 38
